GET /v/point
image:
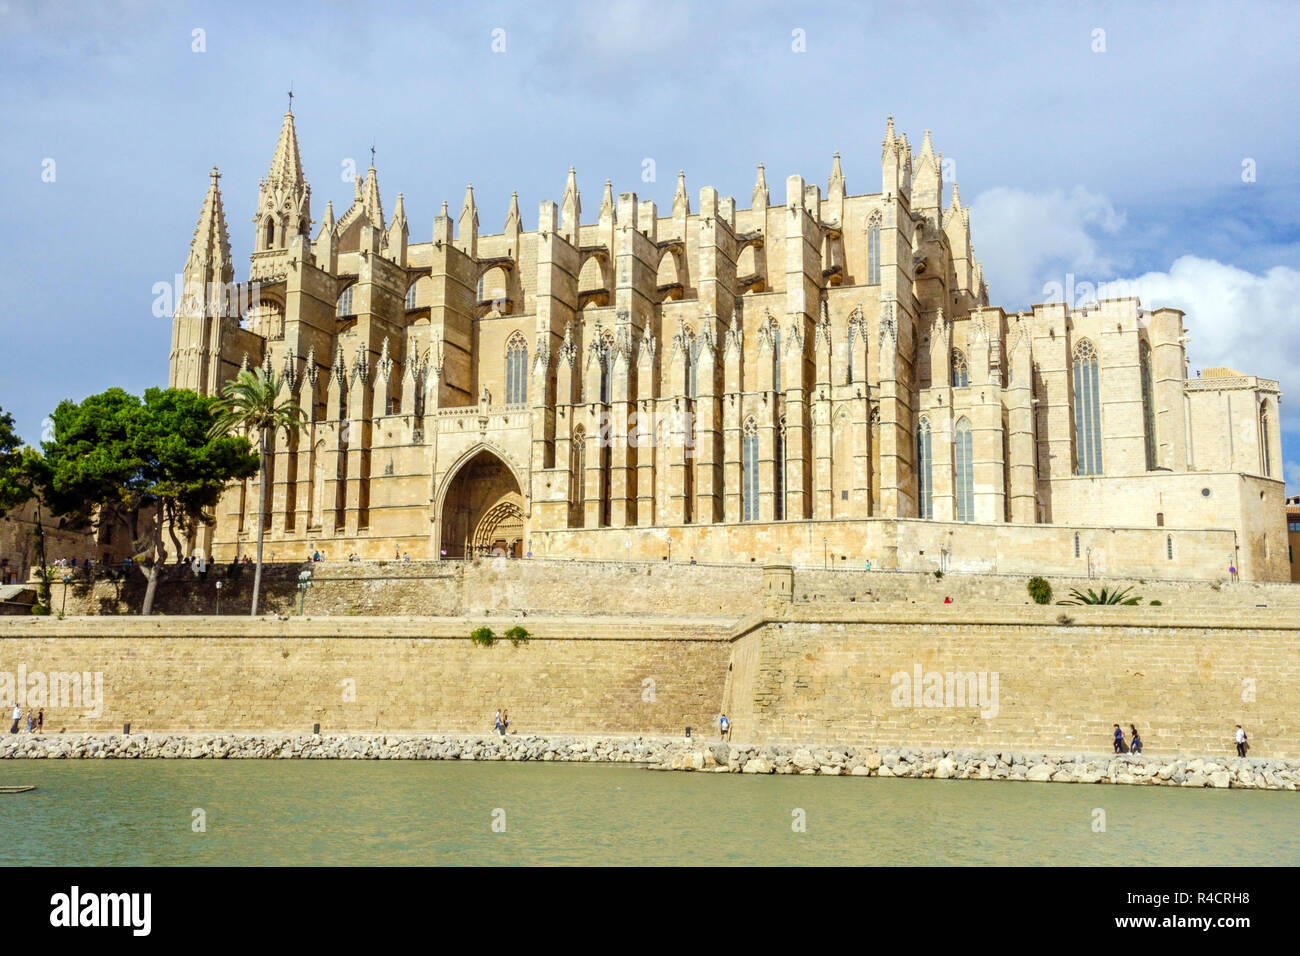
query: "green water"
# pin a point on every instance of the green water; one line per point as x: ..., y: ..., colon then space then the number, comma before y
x: 427, y: 812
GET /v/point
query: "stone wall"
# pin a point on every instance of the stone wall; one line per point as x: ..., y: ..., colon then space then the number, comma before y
x: 175, y: 673
x: 537, y: 586
x: 827, y: 674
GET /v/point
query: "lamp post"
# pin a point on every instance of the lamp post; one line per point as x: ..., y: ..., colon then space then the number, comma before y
x: 67, y: 579
x: 219, y: 586
x: 1090, y: 564
x: 304, y: 582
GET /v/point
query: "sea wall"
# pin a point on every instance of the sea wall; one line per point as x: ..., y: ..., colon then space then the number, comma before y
x: 398, y: 675
x: 1029, y: 678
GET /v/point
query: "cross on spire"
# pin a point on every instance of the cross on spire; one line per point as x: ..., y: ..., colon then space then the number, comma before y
x: 372, y: 153
x: 290, y: 97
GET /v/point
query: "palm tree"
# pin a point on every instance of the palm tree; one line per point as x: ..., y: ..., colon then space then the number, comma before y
x: 251, y: 403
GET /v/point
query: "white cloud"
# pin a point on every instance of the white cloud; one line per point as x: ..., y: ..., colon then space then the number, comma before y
x: 1247, y: 321
x: 1026, y: 240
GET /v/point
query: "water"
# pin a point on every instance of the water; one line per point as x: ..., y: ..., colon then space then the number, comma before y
x: 431, y: 812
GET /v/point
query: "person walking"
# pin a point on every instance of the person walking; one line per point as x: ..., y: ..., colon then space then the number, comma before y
x: 505, y: 722
x: 1135, y: 742
x: 1242, y: 743
x: 1119, y: 740
x: 18, y: 715
x: 497, y: 726
x: 725, y: 726
x: 31, y: 720
x: 40, y: 721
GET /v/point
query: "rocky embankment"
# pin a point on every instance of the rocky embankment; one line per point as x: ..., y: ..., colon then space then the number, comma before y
x: 1254, y: 773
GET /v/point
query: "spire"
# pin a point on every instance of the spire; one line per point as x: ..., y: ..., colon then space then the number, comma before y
x: 286, y: 164
x: 607, y: 202
x: 571, y: 209
x: 513, y: 221
x: 890, y: 140
x: 327, y: 221
x: 468, y: 209
x: 370, y: 198
x: 835, y: 185
x: 681, y: 202
x: 927, y: 148
x: 283, y: 198
x: 399, y: 211
x: 209, y: 258
x: 761, y: 195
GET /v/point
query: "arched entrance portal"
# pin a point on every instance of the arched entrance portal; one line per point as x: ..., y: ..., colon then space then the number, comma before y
x: 483, y: 510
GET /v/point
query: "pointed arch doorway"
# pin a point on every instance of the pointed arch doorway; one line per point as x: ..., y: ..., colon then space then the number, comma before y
x: 482, y: 509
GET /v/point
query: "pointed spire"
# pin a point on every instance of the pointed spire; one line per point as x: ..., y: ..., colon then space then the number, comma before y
x: 327, y: 221
x: 927, y: 148
x: 761, y: 195
x: 286, y: 164
x: 210, y: 247
x: 469, y: 209
x: 444, y: 208
x: 835, y: 185
x: 571, y: 208
x: 681, y: 202
x: 370, y: 198
x: 514, y: 223
x: 607, y: 201
x: 890, y: 140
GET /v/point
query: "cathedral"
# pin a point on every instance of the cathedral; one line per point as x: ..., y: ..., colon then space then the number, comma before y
x: 817, y: 380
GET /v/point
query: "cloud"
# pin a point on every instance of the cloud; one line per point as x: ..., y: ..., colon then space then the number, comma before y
x: 1026, y: 240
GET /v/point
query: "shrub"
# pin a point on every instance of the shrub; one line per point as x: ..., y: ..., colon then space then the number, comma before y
x: 938, y: 574
x: 1105, y: 596
x: 518, y: 635
x: 1155, y: 604
x: 40, y: 610
x: 1040, y: 590
x: 484, y: 637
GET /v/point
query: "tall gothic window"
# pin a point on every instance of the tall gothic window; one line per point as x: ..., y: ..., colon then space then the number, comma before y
x: 579, y: 472
x: 410, y: 298
x: 607, y: 367
x: 924, y: 470
x: 779, y: 510
x: 1148, y: 405
x: 776, y: 356
x: 344, y: 309
x: 965, y: 476
x: 692, y: 354
x: 1265, y: 450
x: 750, y: 450
x: 873, y: 249
x: 516, y: 370
x: 960, y: 370
x: 1087, y: 411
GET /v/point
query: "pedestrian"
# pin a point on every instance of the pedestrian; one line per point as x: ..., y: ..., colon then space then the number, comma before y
x: 1135, y: 742
x: 1242, y: 744
x: 725, y: 724
x: 947, y: 600
x: 505, y: 722
x: 497, y: 726
x: 40, y: 721
x: 31, y: 720
x: 18, y: 713
x: 406, y: 557
x: 1119, y: 740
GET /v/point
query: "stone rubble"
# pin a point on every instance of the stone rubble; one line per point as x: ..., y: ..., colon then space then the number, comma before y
x: 658, y: 753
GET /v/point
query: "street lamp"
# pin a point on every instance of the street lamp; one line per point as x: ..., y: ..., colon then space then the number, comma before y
x: 67, y: 579
x: 1090, y: 564
x: 219, y: 586
x: 304, y: 582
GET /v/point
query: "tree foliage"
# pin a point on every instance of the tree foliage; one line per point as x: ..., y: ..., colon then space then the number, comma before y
x: 116, y: 452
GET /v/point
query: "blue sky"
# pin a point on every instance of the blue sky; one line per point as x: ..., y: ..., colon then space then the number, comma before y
x: 1117, y: 163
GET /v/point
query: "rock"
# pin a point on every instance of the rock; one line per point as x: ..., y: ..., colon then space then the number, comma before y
x: 861, y: 770
x: 803, y: 760
x: 872, y: 761
x: 1220, y: 779
x: 1039, y: 773
x: 721, y: 753
x: 943, y: 769
x: 757, y: 765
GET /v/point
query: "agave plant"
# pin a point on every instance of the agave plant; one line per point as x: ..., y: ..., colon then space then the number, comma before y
x: 1105, y: 596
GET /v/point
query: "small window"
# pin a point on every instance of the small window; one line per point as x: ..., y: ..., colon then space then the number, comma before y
x: 844, y: 496
x: 345, y: 304
x: 1160, y: 519
x: 1076, y: 545
x: 1169, y: 547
